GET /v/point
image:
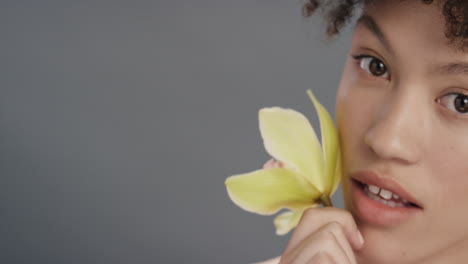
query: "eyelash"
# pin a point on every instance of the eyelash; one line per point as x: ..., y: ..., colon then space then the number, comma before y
x: 450, y: 106
x: 359, y: 60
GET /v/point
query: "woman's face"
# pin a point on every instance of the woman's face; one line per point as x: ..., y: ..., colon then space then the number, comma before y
x: 402, y: 111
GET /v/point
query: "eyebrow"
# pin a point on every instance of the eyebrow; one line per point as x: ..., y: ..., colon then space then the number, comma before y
x: 456, y: 68
x: 373, y: 27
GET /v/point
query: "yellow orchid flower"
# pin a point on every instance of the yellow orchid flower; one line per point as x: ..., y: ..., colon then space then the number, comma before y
x: 310, y: 174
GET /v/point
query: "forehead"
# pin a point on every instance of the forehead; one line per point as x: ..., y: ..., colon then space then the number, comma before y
x: 404, y: 23
x: 416, y: 17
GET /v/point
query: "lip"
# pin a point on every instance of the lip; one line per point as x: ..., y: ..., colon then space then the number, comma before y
x: 371, y: 178
x: 377, y: 213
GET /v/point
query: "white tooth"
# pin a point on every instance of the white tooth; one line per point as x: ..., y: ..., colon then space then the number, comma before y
x: 395, y: 196
x: 383, y: 201
x: 376, y: 198
x: 374, y: 189
x: 386, y: 194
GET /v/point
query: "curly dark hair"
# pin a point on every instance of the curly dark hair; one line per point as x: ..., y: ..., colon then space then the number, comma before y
x: 339, y: 12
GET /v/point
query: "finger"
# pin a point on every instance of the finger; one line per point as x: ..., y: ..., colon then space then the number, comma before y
x: 323, y: 245
x: 337, y: 231
x: 322, y: 259
x: 314, y: 218
x: 270, y: 261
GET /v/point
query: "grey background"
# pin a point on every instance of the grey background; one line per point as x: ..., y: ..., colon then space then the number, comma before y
x: 120, y: 121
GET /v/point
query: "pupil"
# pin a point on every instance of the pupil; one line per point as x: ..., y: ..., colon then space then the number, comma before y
x: 377, y: 67
x: 461, y: 103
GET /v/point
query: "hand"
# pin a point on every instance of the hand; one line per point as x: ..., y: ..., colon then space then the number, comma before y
x: 323, y: 235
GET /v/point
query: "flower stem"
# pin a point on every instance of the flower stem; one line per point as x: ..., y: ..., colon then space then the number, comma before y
x: 326, y: 201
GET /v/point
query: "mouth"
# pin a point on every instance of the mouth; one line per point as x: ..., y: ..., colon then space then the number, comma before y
x: 384, y: 196
x: 381, y: 201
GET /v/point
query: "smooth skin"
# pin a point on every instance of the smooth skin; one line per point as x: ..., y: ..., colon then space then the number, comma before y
x: 400, y: 113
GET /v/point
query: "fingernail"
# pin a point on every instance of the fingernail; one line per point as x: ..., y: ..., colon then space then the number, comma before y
x: 360, y: 238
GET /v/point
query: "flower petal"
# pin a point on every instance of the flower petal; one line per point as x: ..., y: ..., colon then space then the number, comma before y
x: 329, y: 144
x: 267, y: 191
x: 289, y: 137
x: 286, y: 221
x: 338, y: 174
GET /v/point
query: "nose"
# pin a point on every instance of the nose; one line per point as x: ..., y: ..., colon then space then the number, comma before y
x: 395, y: 133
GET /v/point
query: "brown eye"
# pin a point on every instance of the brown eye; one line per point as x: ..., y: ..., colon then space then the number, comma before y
x: 372, y: 65
x: 377, y: 67
x: 456, y: 102
x: 461, y: 103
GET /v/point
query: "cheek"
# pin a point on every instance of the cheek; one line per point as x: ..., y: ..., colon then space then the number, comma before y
x: 450, y: 167
x: 446, y: 161
x: 345, y: 101
x: 446, y: 189
x: 353, y: 107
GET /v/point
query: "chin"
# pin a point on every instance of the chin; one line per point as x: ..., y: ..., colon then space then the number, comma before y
x: 383, y: 249
x: 383, y: 243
